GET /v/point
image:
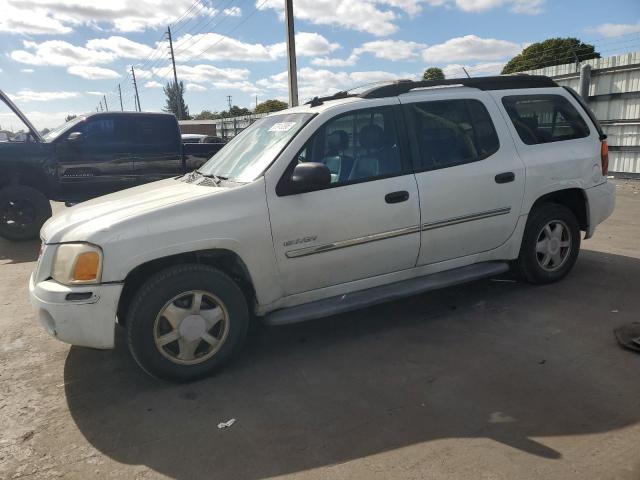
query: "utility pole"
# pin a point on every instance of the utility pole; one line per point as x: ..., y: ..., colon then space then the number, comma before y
x: 101, y: 106
x: 135, y: 86
x: 105, y: 103
x: 229, y: 102
x: 120, y: 95
x: 256, y: 101
x: 467, y: 73
x: 291, y: 54
x: 175, y: 75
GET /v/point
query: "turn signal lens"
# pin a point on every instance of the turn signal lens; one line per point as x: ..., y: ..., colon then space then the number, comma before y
x: 87, y: 266
x: 604, y: 157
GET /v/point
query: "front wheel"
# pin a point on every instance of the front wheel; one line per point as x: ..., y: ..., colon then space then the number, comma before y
x: 23, y: 211
x: 550, y: 245
x: 186, y: 321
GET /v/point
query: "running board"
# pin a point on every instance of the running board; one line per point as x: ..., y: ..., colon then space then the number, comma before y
x: 383, y: 293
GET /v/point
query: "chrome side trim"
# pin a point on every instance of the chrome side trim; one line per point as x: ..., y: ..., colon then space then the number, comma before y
x: 301, y: 252
x: 465, y: 218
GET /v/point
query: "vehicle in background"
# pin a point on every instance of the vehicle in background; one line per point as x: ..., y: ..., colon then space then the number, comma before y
x: 89, y: 156
x: 201, y: 138
x: 5, y: 137
x: 345, y: 202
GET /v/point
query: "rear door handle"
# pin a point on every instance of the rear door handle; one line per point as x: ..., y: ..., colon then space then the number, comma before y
x: 397, y: 197
x: 505, y: 177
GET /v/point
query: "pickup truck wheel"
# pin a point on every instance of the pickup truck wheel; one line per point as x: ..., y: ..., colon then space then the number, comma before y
x: 550, y: 245
x: 186, y: 321
x: 23, y: 211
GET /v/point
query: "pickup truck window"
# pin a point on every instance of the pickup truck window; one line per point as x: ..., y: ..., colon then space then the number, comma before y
x: 106, y: 131
x: 60, y: 129
x: 544, y: 118
x: 158, y: 131
x: 452, y: 132
x: 245, y: 157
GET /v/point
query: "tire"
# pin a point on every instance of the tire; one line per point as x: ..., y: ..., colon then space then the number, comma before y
x: 23, y: 211
x: 559, y: 255
x: 168, y: 340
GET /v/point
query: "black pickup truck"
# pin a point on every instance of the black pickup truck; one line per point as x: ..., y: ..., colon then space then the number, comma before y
x: 89, y: 156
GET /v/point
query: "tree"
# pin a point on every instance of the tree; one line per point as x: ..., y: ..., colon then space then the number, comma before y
x: 553, y: 51
x: 175, y: 98
x: 433, y: 73
x: 236, y: 111
x: 70, y: 117
x: 270, y: 106
x: 206, y: 115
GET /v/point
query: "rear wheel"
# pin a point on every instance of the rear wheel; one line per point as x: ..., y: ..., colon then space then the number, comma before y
x: 23, y: 211
x: 550, y: 245
x: 186, y: 321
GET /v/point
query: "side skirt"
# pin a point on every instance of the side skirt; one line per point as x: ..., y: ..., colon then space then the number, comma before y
x: 383, y: 293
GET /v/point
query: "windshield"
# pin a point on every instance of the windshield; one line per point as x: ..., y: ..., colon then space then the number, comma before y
x: 246, y: 156
x: 56, y: 132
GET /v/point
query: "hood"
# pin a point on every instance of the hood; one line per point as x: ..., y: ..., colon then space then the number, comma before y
x: 21, y: 116
x: 80, y: 222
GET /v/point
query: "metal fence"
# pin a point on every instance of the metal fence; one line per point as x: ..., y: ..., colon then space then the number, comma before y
x: 614, y: 96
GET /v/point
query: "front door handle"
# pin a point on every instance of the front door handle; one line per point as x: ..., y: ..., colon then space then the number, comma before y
x: 505, y: 177
x: 397, y: 197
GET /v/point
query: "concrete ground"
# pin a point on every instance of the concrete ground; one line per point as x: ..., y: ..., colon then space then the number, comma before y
x: 491, y: 380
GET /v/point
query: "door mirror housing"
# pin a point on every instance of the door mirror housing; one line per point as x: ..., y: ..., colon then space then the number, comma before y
x: 75, y: 138
x: 310, y: 176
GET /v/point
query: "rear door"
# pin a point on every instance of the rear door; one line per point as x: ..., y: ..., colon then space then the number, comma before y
x: 470, y: 178
x: 101, y: 162
x: 157, y: 151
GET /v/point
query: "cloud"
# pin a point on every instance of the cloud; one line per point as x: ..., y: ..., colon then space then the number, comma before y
x: 93, y: 73
x: 27, y: 70
x: 60, y: 53
x: 470, y: 47
x: 62, y: 16
x: 28, y: 95
x: 213, y: 46
x: 314, y: 82
x: 233, y: 12
x: 38, y: 118
x: 393, y: 50
x: 153, y: 84
x: 455, y: 70
x: 350, y: 61
x: 194, y: 87
x: 615, y: 29
x: 121, y: 47
x: 530, y: 7
x: 95, y: 94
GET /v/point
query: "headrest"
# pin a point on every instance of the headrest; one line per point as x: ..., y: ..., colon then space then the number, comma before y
x: 338, y: 140
x: 372, y: 136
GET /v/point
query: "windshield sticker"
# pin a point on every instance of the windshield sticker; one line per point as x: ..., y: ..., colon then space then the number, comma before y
x: 282, y: 127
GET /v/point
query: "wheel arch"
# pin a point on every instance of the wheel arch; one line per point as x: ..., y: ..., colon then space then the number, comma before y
x: 574, y: 199
x: 225, y: 260
x: 26, y: 175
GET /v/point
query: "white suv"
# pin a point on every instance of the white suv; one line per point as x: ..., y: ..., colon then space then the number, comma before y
x: 344, y: 202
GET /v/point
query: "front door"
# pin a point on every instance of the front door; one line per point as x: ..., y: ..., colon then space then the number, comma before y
x: 366, y: 223
x: 101, y: 162
x: 471, y: 179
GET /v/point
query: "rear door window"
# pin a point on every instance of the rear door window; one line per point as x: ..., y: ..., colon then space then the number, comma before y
x: 451, y: 132
x: 544, y: 118
x: 157, y: 130
x: 106, y: 131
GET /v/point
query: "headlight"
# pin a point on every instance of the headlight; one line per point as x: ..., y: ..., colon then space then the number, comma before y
x: 77, y: 263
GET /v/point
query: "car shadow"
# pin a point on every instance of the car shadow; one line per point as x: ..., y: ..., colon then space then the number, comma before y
x: 18, y: 252
x: 493, y: 359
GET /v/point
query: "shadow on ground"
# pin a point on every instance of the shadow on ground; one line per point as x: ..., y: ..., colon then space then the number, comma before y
x: 18, y: 252
x: 493, y: 359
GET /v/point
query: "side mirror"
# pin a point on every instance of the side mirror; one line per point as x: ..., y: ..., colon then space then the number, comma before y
x: 310, y: 176
x: 75, y: 138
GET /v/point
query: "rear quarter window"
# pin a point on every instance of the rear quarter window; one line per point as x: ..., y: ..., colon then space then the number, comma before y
x: 544, y: 118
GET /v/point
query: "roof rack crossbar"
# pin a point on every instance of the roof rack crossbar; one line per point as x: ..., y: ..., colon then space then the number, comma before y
x: 315, y: 101
x: 503, y: 82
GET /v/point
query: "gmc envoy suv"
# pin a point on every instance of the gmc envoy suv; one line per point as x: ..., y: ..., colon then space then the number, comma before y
x: 344, y: 202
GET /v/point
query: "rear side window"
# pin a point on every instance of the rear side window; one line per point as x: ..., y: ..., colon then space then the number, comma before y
x: 158, y: 131
x: 452, y: 132
x: 544, y: 118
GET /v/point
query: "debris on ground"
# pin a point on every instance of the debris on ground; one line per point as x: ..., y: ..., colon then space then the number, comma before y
x: 227, y: 424
x: 629, y: 336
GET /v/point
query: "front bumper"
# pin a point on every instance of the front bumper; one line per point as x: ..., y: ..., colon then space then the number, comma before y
x: 89, y: 322
x: 601, y: 201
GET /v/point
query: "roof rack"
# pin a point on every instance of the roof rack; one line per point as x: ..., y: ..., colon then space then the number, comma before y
x: 315, y: 101
x: 503, y: 82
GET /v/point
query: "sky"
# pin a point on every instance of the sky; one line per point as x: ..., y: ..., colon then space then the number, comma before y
x: 60, y: 57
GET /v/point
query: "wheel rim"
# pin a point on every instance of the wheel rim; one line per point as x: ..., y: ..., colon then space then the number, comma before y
x: 191, y: 327
x: 17, y: 214
x: 553, y: 245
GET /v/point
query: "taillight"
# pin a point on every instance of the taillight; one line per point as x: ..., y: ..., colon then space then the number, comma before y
x: 604, y: 157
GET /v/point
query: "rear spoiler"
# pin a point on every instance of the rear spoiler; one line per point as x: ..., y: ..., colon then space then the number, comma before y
x: 588, y: 111
x: 21, y: 116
